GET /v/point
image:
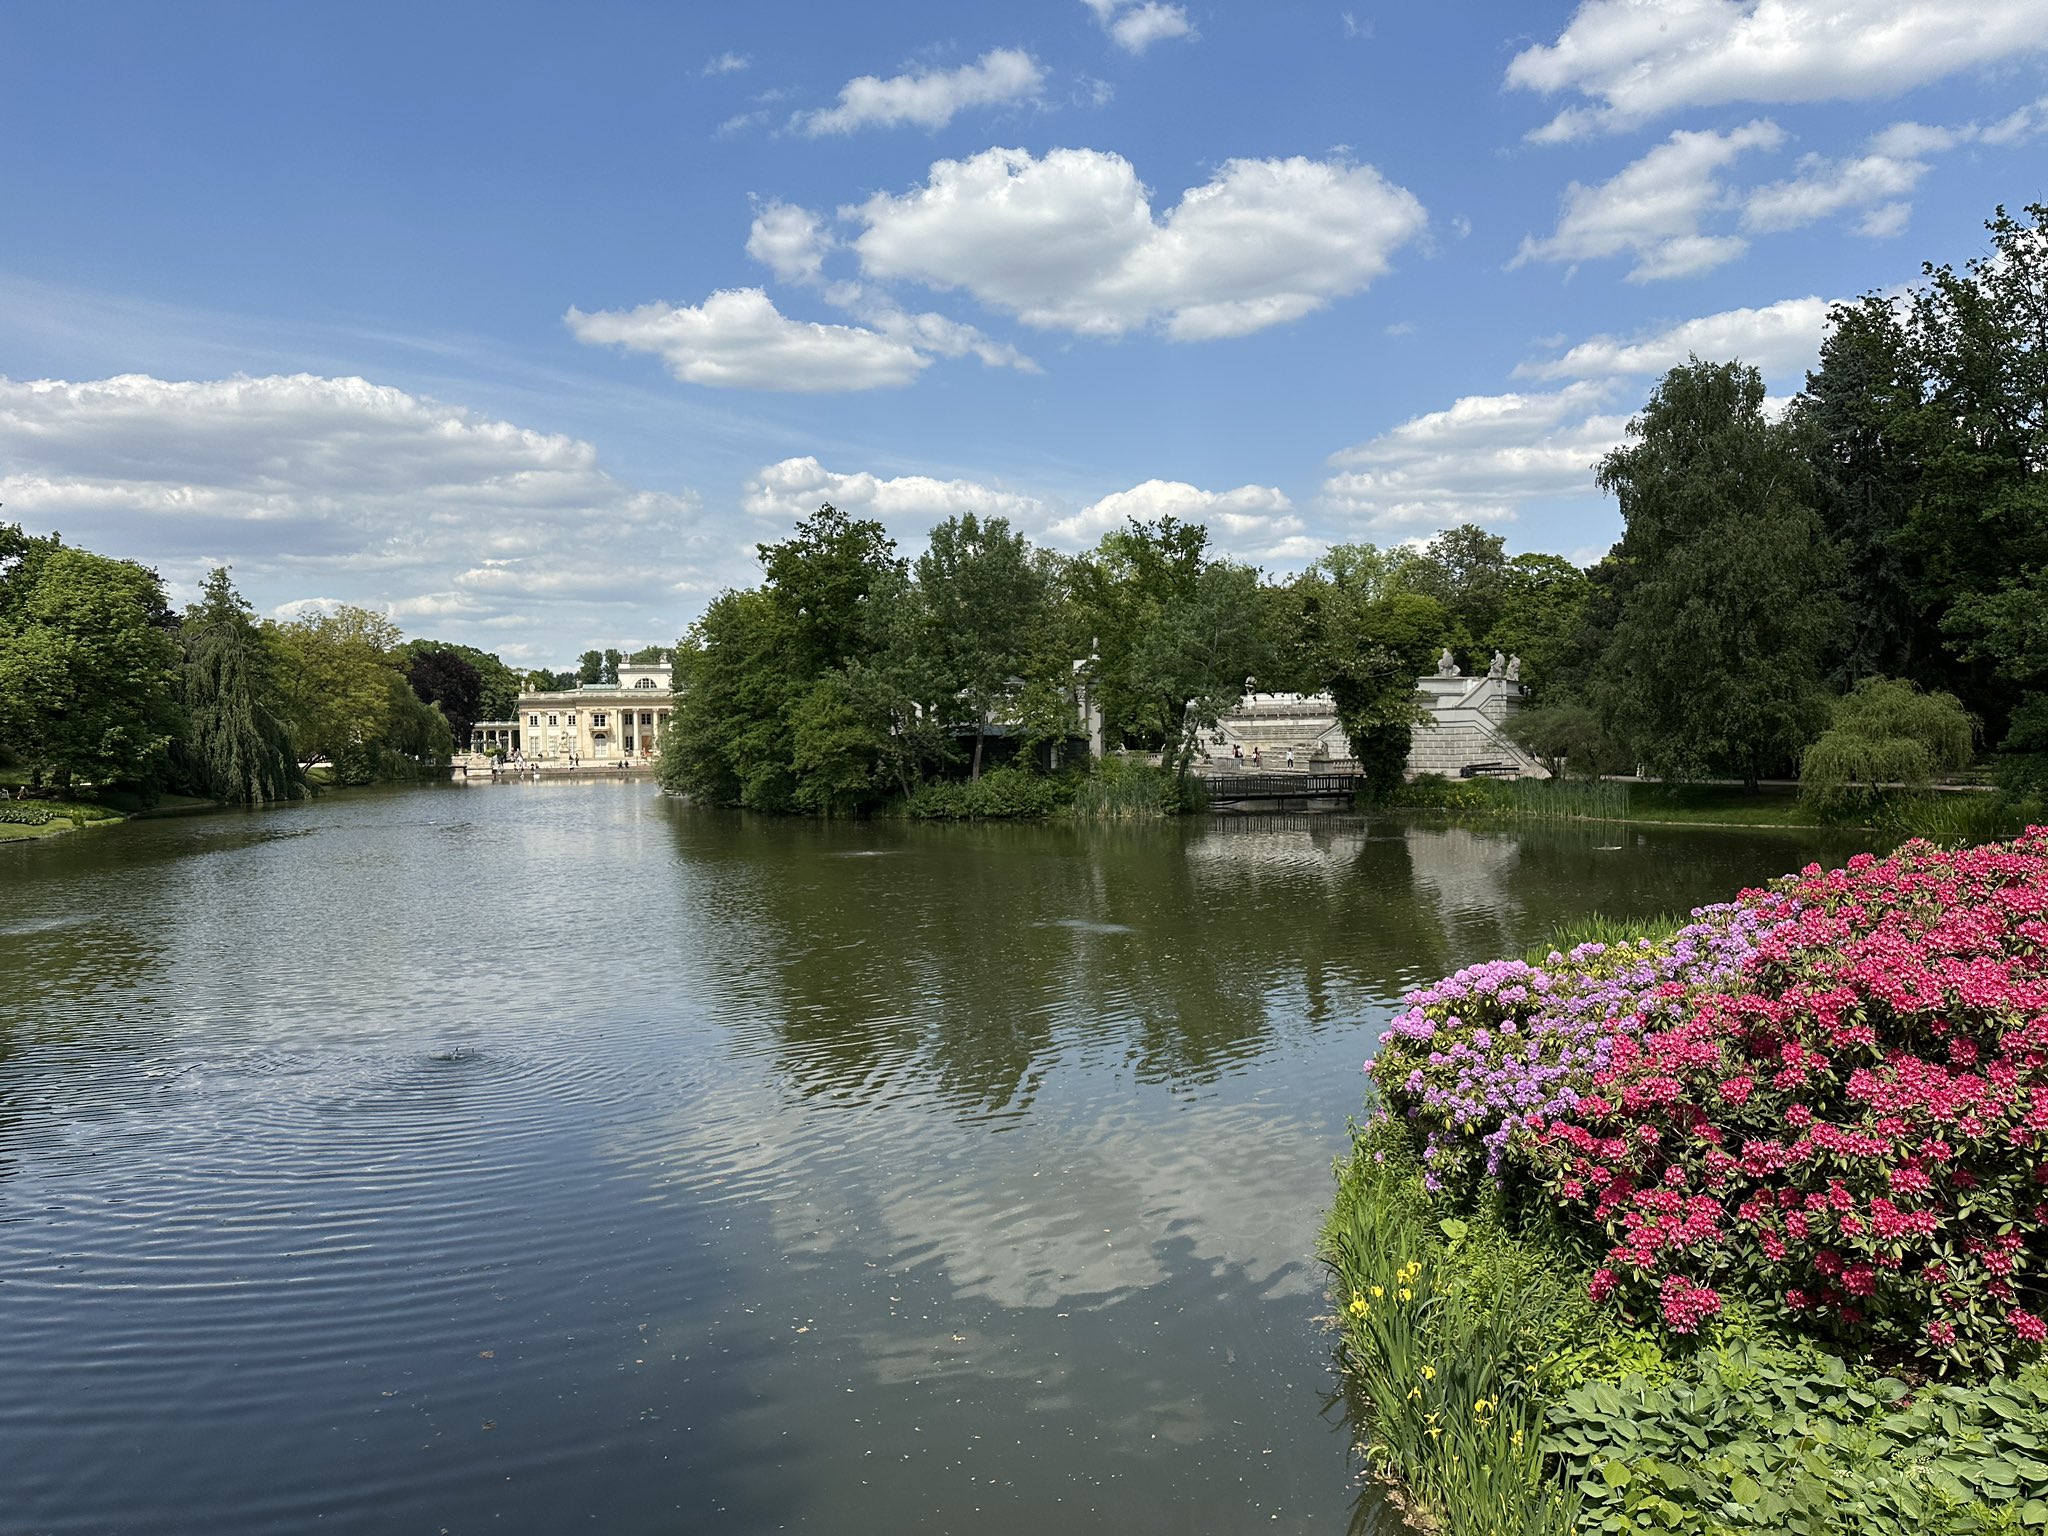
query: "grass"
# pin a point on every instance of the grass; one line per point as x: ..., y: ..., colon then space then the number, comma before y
x: 22, y: 819
x: 1599, y: 928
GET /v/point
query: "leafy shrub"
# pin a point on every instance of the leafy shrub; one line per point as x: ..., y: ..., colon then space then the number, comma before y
x: 1885, y: 731
x: 1434, y: 792
x: 1497, y: 1047
x: 1001, y: 792
x: 1759, y: 1438
x: 1830, y: 1096
x: 26, y: 813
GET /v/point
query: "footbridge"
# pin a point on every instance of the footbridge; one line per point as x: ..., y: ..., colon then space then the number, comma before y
x: 1282, y: 791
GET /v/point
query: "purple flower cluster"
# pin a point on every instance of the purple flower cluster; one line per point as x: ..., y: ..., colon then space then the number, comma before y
x: 1480, y: 1054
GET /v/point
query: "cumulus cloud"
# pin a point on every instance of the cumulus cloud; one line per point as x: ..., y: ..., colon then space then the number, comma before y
x: 325, y: 489
x: 1135, y: 25
x: 1635, y: 60
x: 795, y: 488
x: 727, y: 63
x: 1653, y: 208
x: 1781, y: 340
x: 930, y: 98
x: 790, y: 241
x: 793, y: 243
x: 1069, y: 242
x: 738, y: 339
x: 1250, y: 518
x: 1477, y: 462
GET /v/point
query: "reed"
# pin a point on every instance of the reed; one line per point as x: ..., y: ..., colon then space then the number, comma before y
x: 1959, y: 820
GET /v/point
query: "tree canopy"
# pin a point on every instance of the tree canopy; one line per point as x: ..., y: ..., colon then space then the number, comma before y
x: 236, y: 746
x: 1725, y: 583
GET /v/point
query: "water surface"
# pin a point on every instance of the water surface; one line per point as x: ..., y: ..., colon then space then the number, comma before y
x: 522, y: 1158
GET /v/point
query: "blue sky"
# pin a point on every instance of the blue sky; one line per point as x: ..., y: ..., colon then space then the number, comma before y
x: 526, y: 323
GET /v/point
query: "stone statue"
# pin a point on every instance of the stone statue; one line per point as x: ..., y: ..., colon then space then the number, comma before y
x: 1446, y: 664
x: 1500, y: 664
x: 1514, y: 669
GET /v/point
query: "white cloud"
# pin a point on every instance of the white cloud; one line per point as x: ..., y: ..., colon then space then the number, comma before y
x: 1635, y: 60
x: 930, y: 99
x: 795, y: 488
x: 1476, y: 462
x: 1135, y: 25
x: 790, y: 241
x: 1069, y: 241
x: 793, y: 242
x: 355, y: 492
x: 1252, y: 517
x: 1879, y: 180
x: 737, y: 339
x: 1823, y: 188
x: 1781, y: 340
x: 1885, y: 222
x: 727, y: 63
x: 1653, y: 208
x: 936, y: 333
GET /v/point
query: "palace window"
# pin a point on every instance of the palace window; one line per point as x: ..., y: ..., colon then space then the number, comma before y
x: 533, y: 719
x: 597, y: 717
x: 552, y: 720
x: 646, y: 717
x: 572, y: 717
x: 645, y: 682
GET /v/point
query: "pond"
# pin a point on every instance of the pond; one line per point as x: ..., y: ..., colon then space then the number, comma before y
x: 526, y: 1157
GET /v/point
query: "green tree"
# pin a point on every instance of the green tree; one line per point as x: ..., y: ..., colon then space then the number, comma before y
x: 612, y: 659
x: 590, y: 667
x: 498, y: 685
x: 1357, y: 631
x: 1567, y: 737
x: 235, y: 746
x: 1466, y: 570
x: 342, y: 678
x: 648, y: 656
x: 1929, y: 425
x: 1543, y: 603
x: 1885, y: 731
x: 1859, y: 417
x: 756, y: 722
x: 88, y: 667
x: 982, y: 593
x: 1725, y: 583
x: 443, y: 677
x: 1177, y: 633
x: 334, y: 673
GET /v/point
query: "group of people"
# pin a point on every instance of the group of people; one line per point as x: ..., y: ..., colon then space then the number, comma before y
x: 1257, y: 759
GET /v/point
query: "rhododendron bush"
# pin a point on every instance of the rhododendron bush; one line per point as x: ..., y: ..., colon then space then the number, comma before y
x: 1829, y: 1097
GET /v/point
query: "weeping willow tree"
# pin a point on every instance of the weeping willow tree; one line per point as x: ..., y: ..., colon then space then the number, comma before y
x: 235, y: 748
x: 1885, y: 731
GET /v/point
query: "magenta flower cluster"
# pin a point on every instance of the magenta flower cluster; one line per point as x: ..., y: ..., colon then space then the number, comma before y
x: 1830, y: 1096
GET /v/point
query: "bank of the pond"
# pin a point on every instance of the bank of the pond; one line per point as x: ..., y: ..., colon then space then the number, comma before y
x: 1948, y: 816
x: 29, y: 820
x: 1734, y: 1226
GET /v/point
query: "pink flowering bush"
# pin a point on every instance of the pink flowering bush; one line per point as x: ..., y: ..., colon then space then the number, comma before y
x: 1830, y: 1097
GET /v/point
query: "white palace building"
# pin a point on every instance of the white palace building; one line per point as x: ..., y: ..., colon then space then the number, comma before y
x: 600, y: 724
